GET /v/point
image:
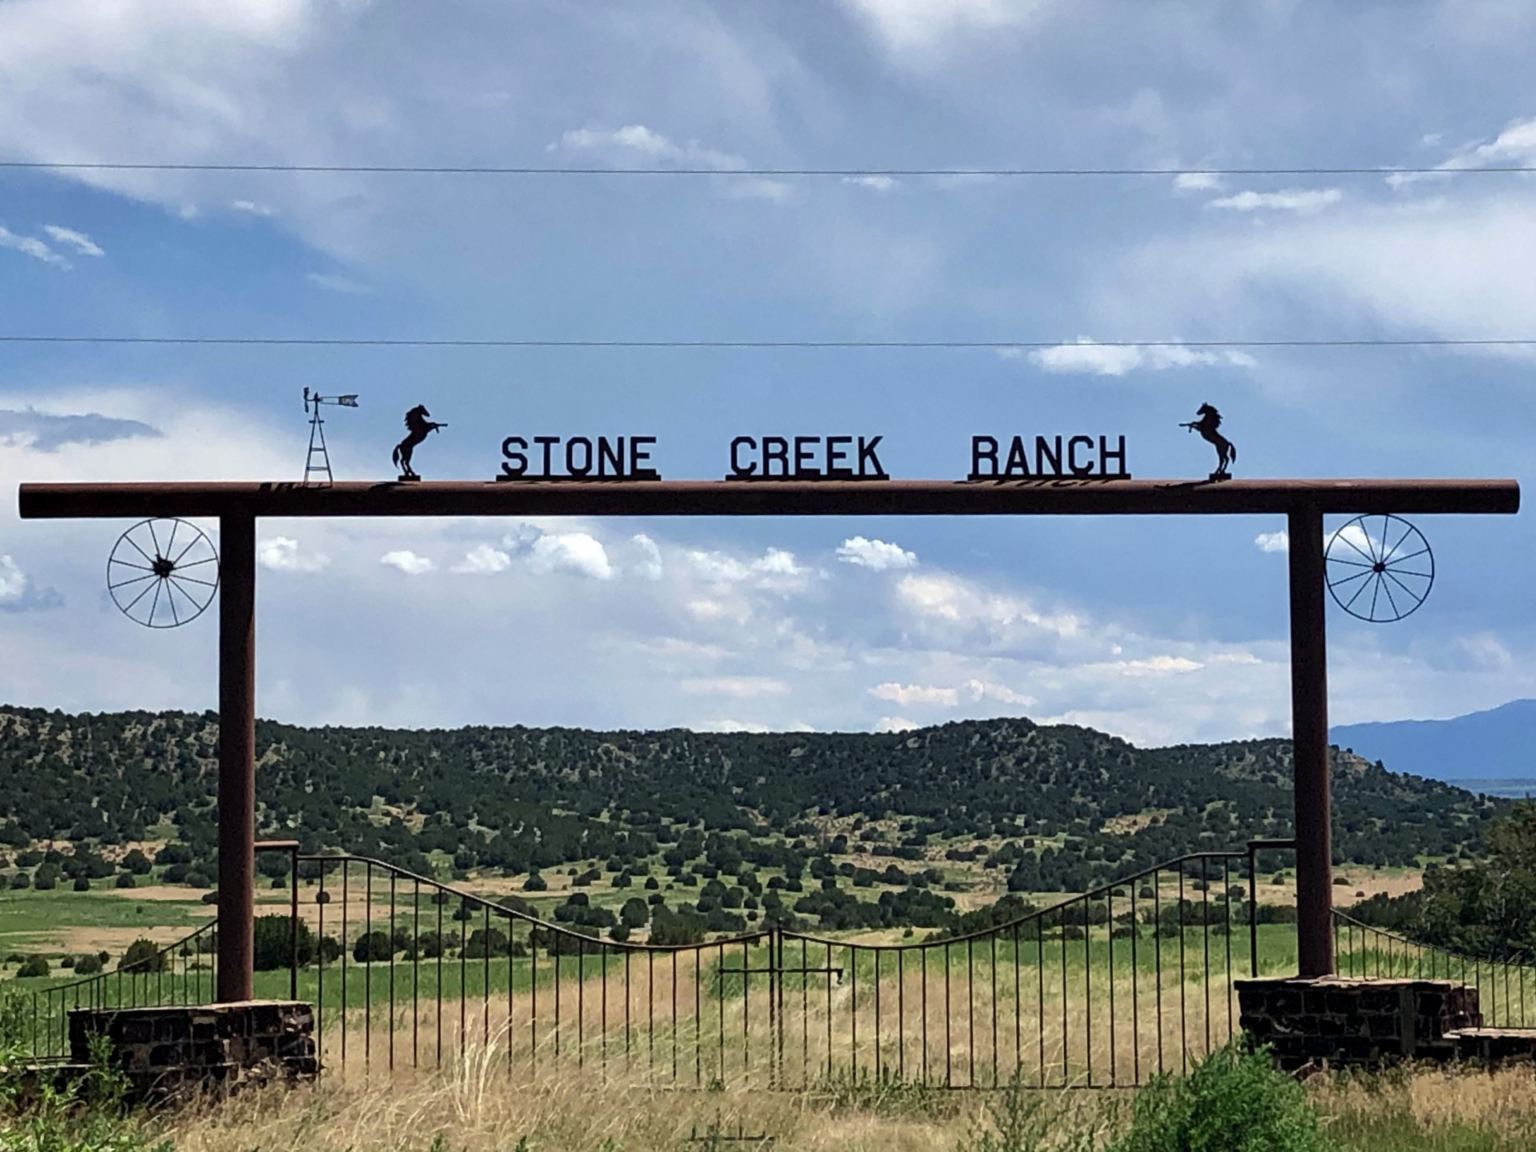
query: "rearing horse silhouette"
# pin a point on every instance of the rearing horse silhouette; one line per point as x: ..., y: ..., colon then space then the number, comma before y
x: 417, y: 426
x: 1226, y: 451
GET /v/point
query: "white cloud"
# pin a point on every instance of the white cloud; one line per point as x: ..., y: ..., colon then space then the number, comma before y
x: 949, y: 599
x: 483, y: 560
x: 79, y: 241
x: 776, y: 570
x: 876, y: 183
x: 741, y: 687
x: 1157, y: 666
x: 251, y: 208
x: 571, y: 552
x: 1118, y: 359
x: 1299, y: 200
x: 916, y: 25
x: 907, y: 695
x: 875, y: 554
x: 650, y: 568
x: 895, y: 724
x: 408, y: 562
x: 13, y: 581
x: 986, y: 690
x: 1273, y: 541
x: 1196, y: 182
x: 282, y: 554
x: 31, y: 246
x: 638, y: 140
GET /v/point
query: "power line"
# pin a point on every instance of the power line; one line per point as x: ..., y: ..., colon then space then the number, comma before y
x: 992, y: 345
x: 851, y: 173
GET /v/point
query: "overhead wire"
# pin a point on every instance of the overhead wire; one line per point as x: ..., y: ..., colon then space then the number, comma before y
x: 984, y: 345
x: 851, y: 173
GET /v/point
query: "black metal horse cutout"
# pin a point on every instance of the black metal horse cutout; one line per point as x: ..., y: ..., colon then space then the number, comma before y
x: 1206, y: 425
x: 417, y: 426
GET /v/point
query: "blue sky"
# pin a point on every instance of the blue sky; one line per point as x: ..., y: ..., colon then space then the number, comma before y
x: 1159, y: 630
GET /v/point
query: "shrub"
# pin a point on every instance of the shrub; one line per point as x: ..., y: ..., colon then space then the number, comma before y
x: 125, y: 880
x: 143, y: 956
x: 273, y: 942
x: 82, y: 884
x: 535, y: 883
x: 136, y: 862
x: 1231, y: 1101
x: 87, y: 965
x: 21, y: 880
x: 373, y: 946
x: 32, y: 966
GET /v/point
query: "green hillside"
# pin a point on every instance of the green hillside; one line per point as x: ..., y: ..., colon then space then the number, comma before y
x: 1054, y: 808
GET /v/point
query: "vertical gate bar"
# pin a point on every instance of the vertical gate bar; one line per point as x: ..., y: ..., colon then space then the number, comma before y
x: 1253, y: 913
x: 1109, y: 927
x: 650, y: 1012
x: 1183, y: 1005
x: 603, y: 1009
x: 949, y: 1044
x: 628, y: 996
x: 345, y: 902
x: 1205, y: 944
x: 293, y: 924
x: 415, y: 973
x: 485, y: 976
x: 853, y: 968
x: 533, y: 999
x: 994, y: 1008
x: 319, y: 968
x: 1018, y: 1023
x: 901, y: 1014
x: 746, y: 996
x: 1135, y: 999
x: 1157, y: 952
x: 439, y: 896
x: 970, y: 1012
x: 1226, y: 895
x: 392, y: 914
x: 1066, y: 1046
x: 368, y: 965
x: 673, y: 957
x: 805, y: 1018
x: 581, y: 1001
x: 511, y: 982
x: 698, y: 1020
x: 877, y: 1013
x: 1040, y: 991
x: 556, y: 956
x: 923, y: 996
x: 1088, y: 987
x: 462, y: 915
x: 828, y: 949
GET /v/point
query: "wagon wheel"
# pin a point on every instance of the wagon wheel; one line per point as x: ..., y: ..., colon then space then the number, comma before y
x: 163, y: 573
x: 1379, y: 568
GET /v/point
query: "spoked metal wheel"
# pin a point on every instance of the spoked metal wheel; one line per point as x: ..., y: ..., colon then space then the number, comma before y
x: 163, y: 573
x: 1379, y: 568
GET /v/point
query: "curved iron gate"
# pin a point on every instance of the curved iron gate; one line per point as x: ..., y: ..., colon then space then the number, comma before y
x: 1098, y: 990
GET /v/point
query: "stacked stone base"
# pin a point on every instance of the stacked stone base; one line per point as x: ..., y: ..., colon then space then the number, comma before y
x: 1339, y: 1022
x: 171, y: 1051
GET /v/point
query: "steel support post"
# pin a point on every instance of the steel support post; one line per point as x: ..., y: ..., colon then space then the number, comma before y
x: 1309, y: 736
x: 237, y: 755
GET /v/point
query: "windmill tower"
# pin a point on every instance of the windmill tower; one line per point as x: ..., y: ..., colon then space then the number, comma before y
x: 317, y: 463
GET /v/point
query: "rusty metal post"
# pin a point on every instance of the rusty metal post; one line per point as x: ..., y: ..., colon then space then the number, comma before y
x: 1309, y: 736
x: 237, y: 755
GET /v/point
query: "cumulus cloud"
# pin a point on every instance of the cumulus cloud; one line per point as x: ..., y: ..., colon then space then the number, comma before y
x: 575, y: 552
x: 408, y: 562
x: 895, y: 724
x: 776, y: 570
x: 1273, y: 541
x: 875, y: 183
x: 875, y: 554
x: 949, y: 600
x: 82, y: 244
x: 1196, y: 182
x: 251, y: 208
x: 17, y: 593
x: 50, y: 431
x: 483, y: 560
x: 1299, y: 200
x: 907, y: 695
x: 638, y: 140
x: 986, y: 690
x: 1086, y: 356
x: 282, y: 554
x: 31, y: 246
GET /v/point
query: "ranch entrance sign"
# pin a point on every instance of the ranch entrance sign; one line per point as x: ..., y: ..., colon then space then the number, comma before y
x: 810, y: 476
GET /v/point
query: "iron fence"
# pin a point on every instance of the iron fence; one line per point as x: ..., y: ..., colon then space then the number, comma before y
x: 181, y: 973
x: 1506, y: 989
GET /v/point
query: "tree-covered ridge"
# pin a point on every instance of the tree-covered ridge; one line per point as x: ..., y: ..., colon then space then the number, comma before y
x: 1058, y: 807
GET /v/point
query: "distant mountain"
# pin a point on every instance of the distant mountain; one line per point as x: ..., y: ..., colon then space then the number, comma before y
x: 1483, y: 747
